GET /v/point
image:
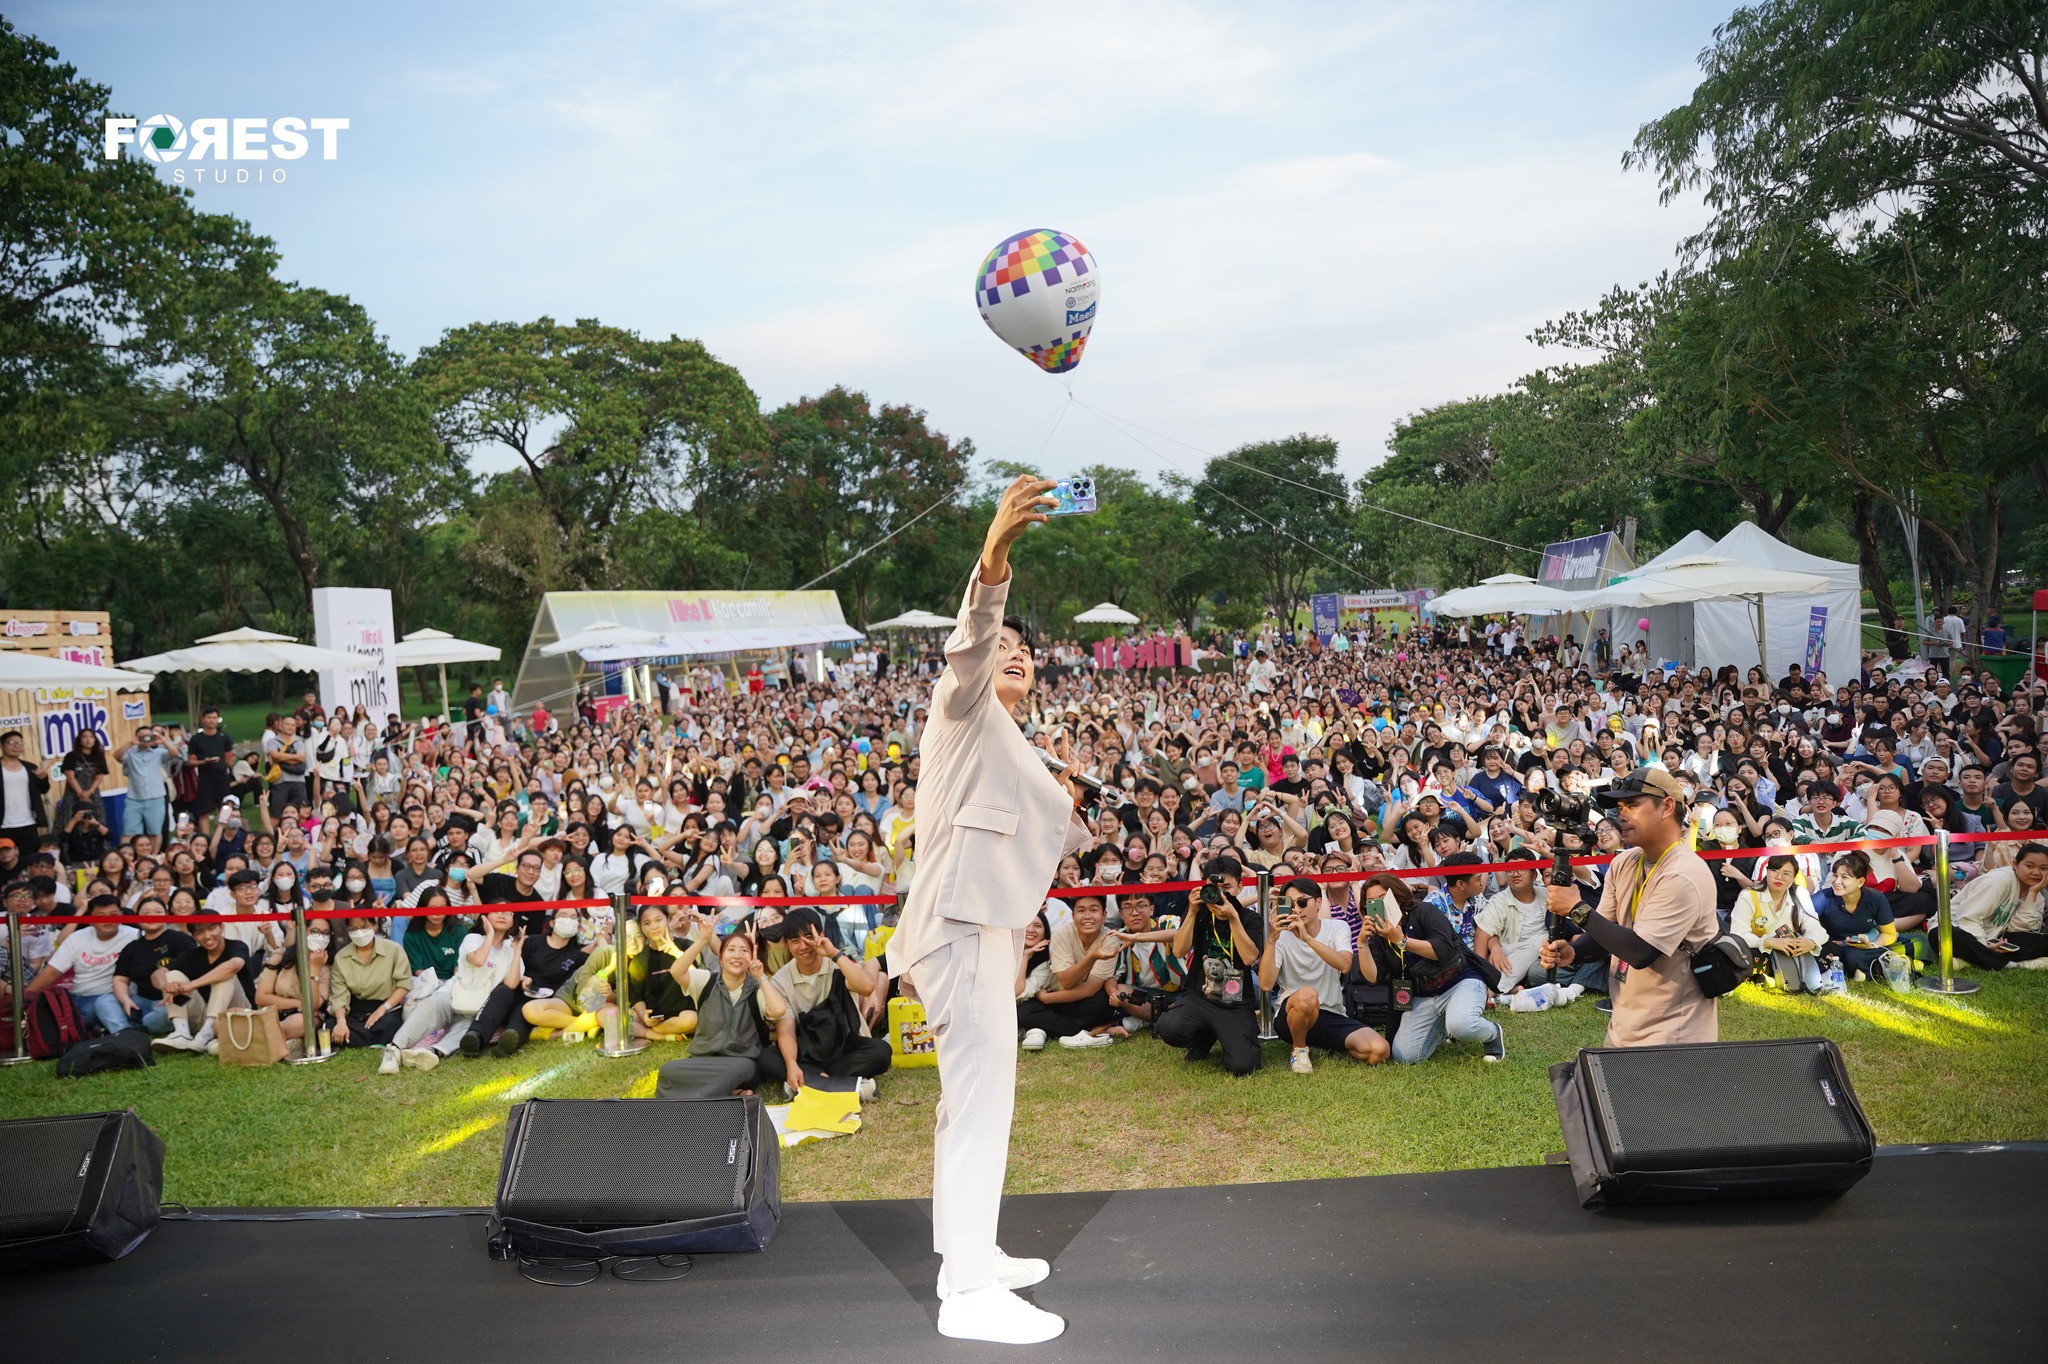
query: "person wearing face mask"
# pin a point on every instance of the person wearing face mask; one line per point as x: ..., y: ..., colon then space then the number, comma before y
x: 367, y: 982
x: 547, y: 963
x: 1729, y: 880
x: 278, y: 986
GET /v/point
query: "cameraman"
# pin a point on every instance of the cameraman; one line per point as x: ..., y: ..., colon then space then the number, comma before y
x: 1221, y: 940
x: 1656, y: 910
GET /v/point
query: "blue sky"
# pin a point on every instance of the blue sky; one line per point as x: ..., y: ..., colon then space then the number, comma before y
x: 1309, y: 217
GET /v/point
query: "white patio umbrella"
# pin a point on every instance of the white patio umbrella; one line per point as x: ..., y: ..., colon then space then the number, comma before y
x: 423, y: 647
x: 1105, y: 613
x: 605, y: 635
x: 1702, y: 577
x: 1504, y: 593
x: 915, y: 620
x: 37, y: 670
x: 248, y: 651
x: 245, y: 651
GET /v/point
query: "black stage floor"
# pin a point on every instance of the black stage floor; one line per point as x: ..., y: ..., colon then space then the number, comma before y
x: 1938, y: 1254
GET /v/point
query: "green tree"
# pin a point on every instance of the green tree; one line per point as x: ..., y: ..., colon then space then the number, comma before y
x: 1282, y: 509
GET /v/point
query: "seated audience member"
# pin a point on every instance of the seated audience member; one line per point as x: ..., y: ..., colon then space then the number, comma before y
x: 1998, y: 916
x: 657, y: 978
x: 1147, y: 972
x: 433, y: 942
x: 824, y: 1034
x: 1449, y: 993
x: 548, y: 962
x: 367, y: 982
x: 1072, y: 1006
x: 200, y: 984
x: 1303, y: 969
x: 138, y: 974
x: 1858, y: 919
x: 90, y: 954
x: 1510, y: 927
x: 1777, y: 919
x: 278, y: 985
x: 738, y: 1012
x: 486, y: 964
x: 1221, y: 940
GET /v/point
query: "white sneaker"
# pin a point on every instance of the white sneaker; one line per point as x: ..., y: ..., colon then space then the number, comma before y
x: 179, y: 1038
x: 389, y: 1065
x: 203, y: 1039
x: 213, y: 1046
x: 1034, y: 1040
x: 421, y: 1058
x: 865, y: 1087
x: 996, y: 1314
x: 1300, y: 1064
x: 1134, y: 1024
x: 1088, y: 1039
x: 570, y: 1038
x: 1010, y: 1273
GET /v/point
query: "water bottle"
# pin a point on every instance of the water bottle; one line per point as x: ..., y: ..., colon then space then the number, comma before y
x: 1834, y: 980
x: 1533, y: 1000
x: 1898, y: 972
x: 611, y: 1031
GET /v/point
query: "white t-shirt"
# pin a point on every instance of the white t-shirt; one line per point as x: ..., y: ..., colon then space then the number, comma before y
x: 492, y: 972
x: 90, y: 958
x: 1297, y: 964
x: 1511, y: 920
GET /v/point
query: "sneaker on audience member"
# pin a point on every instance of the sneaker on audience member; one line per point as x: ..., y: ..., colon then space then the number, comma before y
x: 389, y: 1065
x: 472, y: 1045
x: 996, y: 1314
x: 509, y: 1041
x: 1034, y: 1040
x: 1134, y: 1024
x: 1299, y: 1063
x: 1080, y: 1040
x: 178, y: 1039
x: 1497, y: 1049
x: 212, y: 1046
x: 203, y: 1039
x: 420, y: 1058
x: 865, y: 1087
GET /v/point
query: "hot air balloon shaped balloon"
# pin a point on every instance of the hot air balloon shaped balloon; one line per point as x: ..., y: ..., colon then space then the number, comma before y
x: 1036, y: 291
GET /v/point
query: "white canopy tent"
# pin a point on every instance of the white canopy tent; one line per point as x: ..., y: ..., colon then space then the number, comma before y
x: 1703, y: 578
x: 19, y: 670
x: 608, y: 639
x: 1502, y: 594
x: 427, y: 647
x: 1822, y: 621
x: 1105, y: 613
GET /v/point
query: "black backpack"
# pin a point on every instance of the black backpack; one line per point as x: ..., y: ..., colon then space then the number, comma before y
x: 828, y: 1030
x: 127, y: 1049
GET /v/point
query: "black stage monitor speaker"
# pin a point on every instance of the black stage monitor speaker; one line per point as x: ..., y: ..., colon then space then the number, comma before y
x: 595, y: 1177
x: 77, y: 1189
x: 1707, y: 1121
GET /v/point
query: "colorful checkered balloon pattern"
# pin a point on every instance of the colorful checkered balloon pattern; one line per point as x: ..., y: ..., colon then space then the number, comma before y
x: 1037, y: 291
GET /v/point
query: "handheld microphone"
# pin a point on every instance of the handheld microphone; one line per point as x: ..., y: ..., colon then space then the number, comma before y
x: 1060, y: 769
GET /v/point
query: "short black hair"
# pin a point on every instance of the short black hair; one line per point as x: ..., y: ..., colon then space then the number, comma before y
x: 1017, y: 623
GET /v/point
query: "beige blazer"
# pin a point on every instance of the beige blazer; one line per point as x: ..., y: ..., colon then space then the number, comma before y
x: 992, y: 823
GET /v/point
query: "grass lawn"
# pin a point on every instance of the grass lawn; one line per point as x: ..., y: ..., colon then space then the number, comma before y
x: 1131, y: 1116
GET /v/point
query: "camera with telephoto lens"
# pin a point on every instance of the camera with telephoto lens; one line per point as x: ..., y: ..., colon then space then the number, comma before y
x: 1571, y: 815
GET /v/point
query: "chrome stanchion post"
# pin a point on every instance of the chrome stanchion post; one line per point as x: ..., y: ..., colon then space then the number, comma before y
x: 14, y: 1006
x: 309, y: 1043
x: 1266, y: 1010
x: 628, y: 1045
x: 1945, y: 940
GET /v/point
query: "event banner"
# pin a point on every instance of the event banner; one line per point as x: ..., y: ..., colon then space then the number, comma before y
x: 1573, y: 565
x: 1816, y: 639
x: 357, y: 619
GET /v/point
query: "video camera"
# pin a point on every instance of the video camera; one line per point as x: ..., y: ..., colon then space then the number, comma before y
x: 1571, y: 815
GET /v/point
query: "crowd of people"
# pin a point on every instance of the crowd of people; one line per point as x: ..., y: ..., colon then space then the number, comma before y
x: 432, y: 857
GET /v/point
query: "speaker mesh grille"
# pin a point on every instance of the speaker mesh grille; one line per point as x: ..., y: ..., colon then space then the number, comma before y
x: 1691, y: 1108
x: 43, y: 1172
x: 629, y: 1162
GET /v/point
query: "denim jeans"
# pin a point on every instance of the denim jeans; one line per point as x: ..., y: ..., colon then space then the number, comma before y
x: 1459, y: 1012
x: 101, y: 1013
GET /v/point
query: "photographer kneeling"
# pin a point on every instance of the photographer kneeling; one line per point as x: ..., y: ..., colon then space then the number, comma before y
x: 1450, y: 993
x: 1222, y: 940
x: 1304, y: 971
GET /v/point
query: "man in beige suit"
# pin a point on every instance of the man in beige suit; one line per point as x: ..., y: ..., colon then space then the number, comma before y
x: 993, y: 823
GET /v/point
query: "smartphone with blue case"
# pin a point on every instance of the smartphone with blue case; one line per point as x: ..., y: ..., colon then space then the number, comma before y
x: 1072, y: 497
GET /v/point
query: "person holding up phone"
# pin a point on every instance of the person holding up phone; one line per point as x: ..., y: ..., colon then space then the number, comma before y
x: 1304, y: 971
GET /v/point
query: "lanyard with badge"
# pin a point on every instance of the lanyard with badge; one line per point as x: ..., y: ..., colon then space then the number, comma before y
x: 1635, y: 902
